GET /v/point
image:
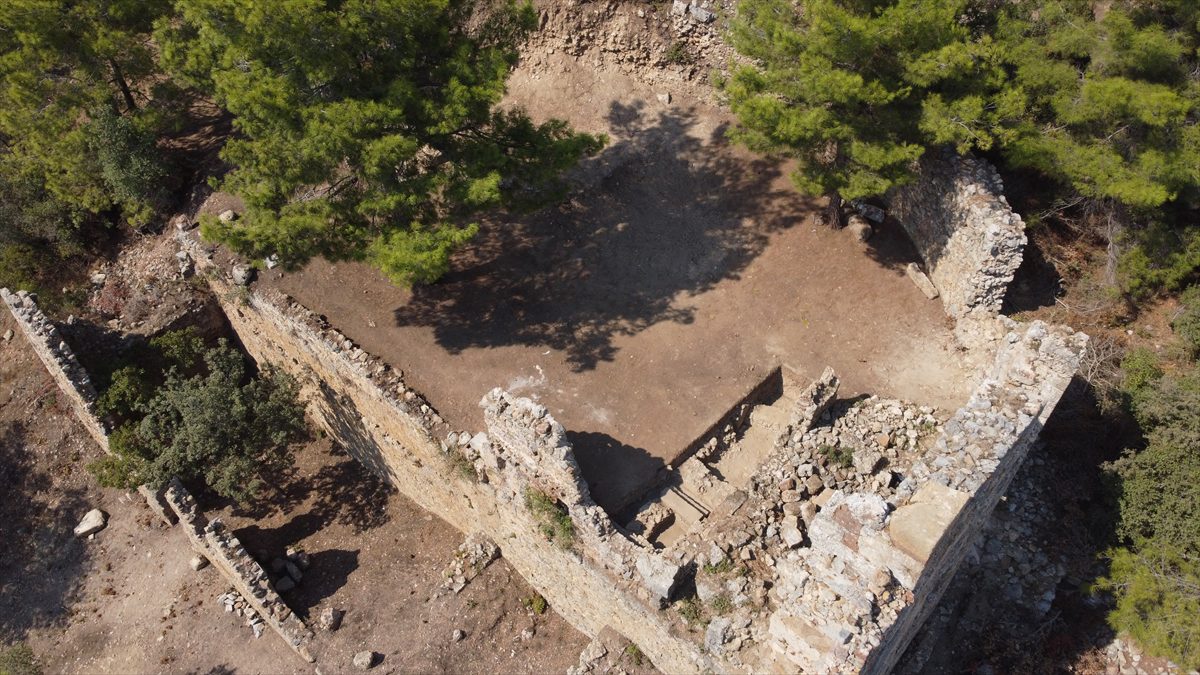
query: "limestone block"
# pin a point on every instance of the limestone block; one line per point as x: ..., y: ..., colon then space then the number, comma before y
x: 917, y: 526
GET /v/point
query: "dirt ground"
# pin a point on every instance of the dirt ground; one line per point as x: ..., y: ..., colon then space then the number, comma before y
x: 128, y: 601
x: 650, y: 303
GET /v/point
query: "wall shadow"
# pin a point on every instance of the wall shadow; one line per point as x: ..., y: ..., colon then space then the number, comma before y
x: 42, y: 567
x: 617, y: 474
x: 664, y: 213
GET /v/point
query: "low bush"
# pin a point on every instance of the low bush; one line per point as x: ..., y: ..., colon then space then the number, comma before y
x: 553, y: 520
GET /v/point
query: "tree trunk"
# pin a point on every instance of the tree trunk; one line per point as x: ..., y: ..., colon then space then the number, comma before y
x: 833, y: 212
x: 119, y: 77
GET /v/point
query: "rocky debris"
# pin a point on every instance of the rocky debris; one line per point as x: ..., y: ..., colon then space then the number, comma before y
x: 528, y: 633
x: 365, y: 660
x: 187, y: 266
x: 718, y: 633
x: 470, y: 559
x: 98, y: 278
x: 227, y: 216
x: 242, y: 274
x: 915, y: 275
x: 664, y: 97
x: 94, y: 521
x: 198, y: 562
x: 608, y: 652
x: 860, y: 228
x: 271, y: 261
x: 330, y: 618
x: 8, y: 335
x: 457, y: 635
x: 234, y: 603
x: 869, y: 211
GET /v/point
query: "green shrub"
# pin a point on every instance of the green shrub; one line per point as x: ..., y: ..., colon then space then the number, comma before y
x: 677, y: 54
x: 721, y: 603
x: 726, y: 565
x: 689, y: 608
x: 222, y: 428
x: 183, y: 349
x: 18, y: 659
x: 553, y: 520
x: 129, y: 163
x: 1186, y: 323
x: 128, y: 392
x: 1157, y: 587
x: 1139, y: 369
x: 634, y: 653
x: 839, y: 456
x: 536, y: 604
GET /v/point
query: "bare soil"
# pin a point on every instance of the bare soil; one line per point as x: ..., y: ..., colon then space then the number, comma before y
x: 647, y: 305
x: 127, y: 600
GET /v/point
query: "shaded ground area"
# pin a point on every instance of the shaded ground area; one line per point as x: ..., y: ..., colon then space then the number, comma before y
x: 377, y: 556
x: 639, y: 311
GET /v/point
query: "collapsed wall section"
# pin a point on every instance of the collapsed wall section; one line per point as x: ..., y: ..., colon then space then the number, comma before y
x: 970, y: 239
x: 213, y: 541
x: 60, y: 361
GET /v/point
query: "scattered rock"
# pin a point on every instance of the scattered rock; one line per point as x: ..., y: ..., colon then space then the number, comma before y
x: 457, y: 635
x: 98, y: 278
x: 860, y: 228
x: 93, y: 522
x: 869, y: 211
x: 284, y: 584
x: 243, y: 274
x: 293, y: 571
x: 918, y: 277
x: 227, y: 216
x: 664, y: 97
x: 528, y: 634
x: 702, y: 15
x: 271, y: 261
x: 331, y: 619
x: 198, y: 562
x: 364, y: 660
x: 8, y: 335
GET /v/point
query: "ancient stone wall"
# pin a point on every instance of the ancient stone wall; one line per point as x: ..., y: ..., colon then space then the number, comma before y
x: 969, y: 238
x: 73, y: 381
x: 213, y: 541
x: 604, y: 579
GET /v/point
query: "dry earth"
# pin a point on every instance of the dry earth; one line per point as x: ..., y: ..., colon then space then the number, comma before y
x: 647, y: 305
x: 128, y: 601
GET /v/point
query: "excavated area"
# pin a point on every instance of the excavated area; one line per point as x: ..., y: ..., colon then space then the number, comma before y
x: 680, y: 273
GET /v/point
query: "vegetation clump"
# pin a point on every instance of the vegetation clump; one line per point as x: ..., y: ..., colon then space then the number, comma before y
x: 18, y: 659
x: 206, y: 419
x: 554, y: 522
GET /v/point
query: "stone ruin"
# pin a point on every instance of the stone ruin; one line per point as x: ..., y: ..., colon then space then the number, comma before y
x: 814, y: 534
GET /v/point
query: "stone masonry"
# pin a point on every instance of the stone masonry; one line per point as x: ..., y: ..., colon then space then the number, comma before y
x: 213, y: 541
x: 970, y: 239
x: 827, y: 560
x: 59, y: 360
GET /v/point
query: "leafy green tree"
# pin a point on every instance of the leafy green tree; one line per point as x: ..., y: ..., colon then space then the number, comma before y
x: 222, y: 428
x: 68, y: 70
x: 368, y: 129
x: 1186, y: 323
x: 856, y: 90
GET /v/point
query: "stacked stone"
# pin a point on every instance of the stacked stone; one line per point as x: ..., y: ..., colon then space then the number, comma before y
x: 968, y: 236
x: 58, y: 358
x: 470, y: 559
x: 225, y: 551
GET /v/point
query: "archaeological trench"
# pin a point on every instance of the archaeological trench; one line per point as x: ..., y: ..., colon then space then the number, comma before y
x: 826, y: 528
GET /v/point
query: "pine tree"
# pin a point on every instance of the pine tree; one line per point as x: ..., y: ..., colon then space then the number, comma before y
x: 368, y: 129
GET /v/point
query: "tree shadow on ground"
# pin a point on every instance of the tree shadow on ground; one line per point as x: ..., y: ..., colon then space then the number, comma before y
x: 43, y: 563
x: 342, y: 491
x: 663, y: 214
